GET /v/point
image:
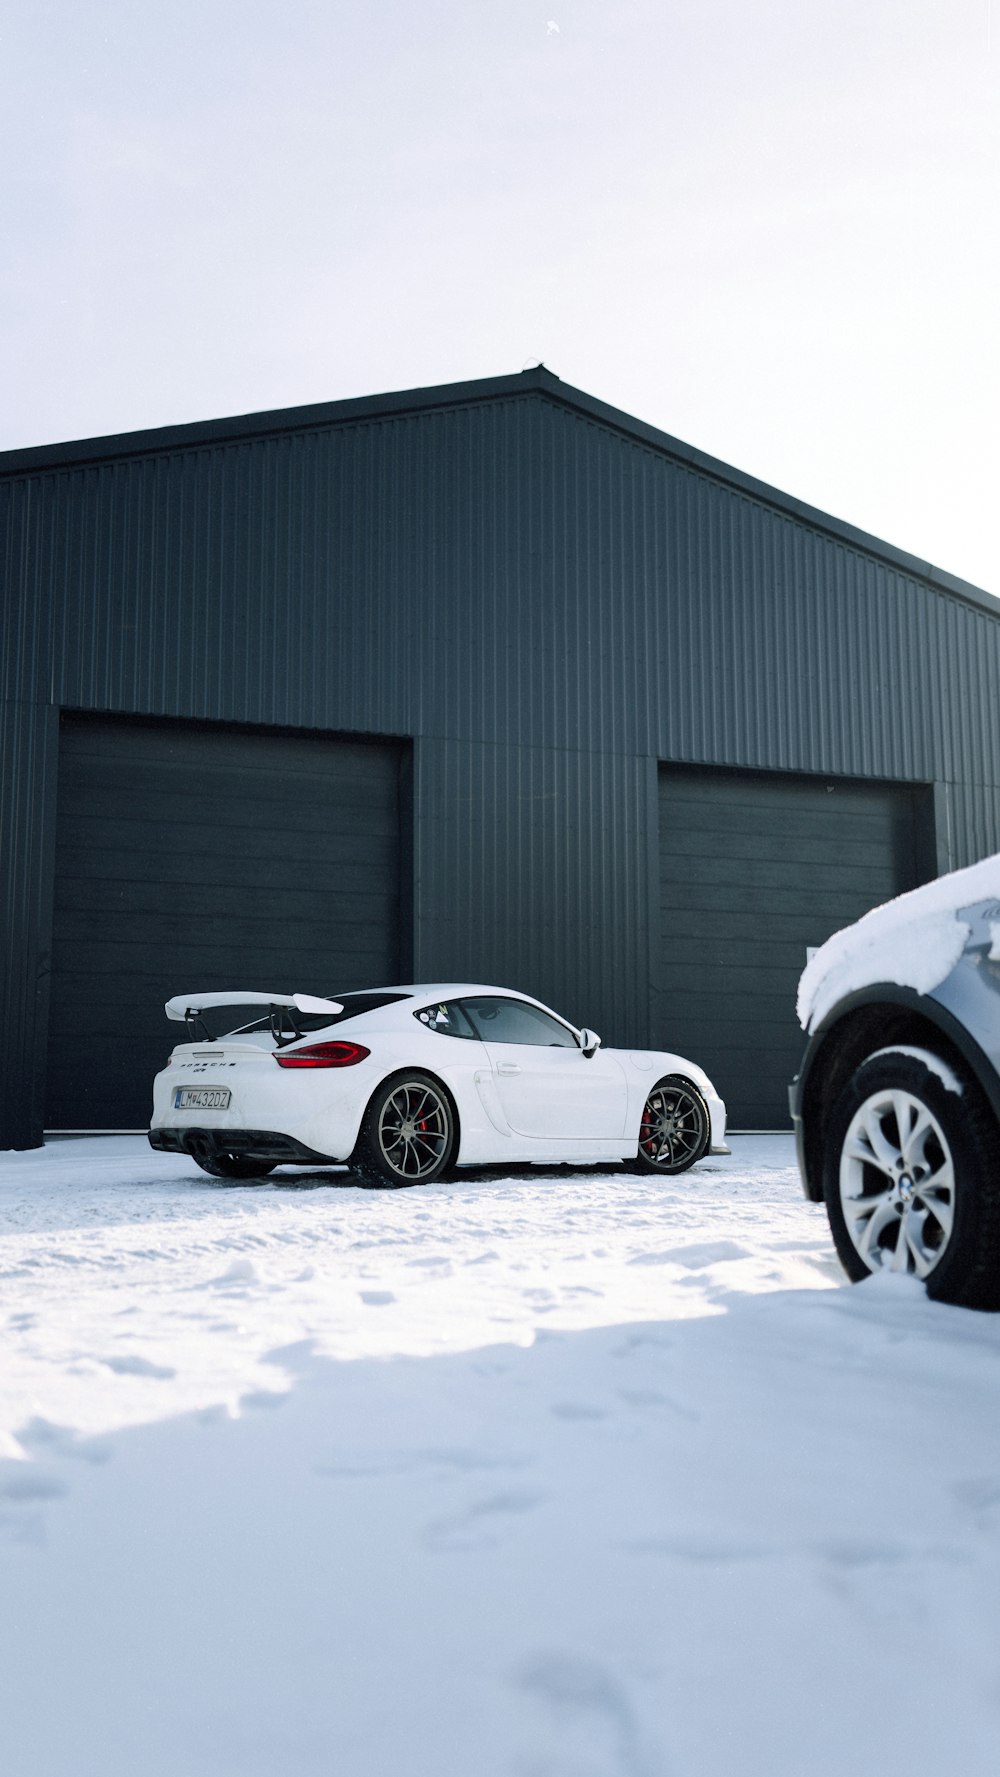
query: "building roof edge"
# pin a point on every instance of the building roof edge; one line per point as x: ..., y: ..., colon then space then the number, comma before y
x: 789, y: 504
x: 538, y: 380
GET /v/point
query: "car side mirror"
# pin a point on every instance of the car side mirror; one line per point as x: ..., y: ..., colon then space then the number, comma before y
x: 590, y: 1042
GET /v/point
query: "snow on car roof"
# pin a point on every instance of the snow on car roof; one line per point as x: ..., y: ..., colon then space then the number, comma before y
x: 913, y: 941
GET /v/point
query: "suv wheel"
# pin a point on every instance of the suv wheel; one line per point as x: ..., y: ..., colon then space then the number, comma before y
x: 912, y: 1177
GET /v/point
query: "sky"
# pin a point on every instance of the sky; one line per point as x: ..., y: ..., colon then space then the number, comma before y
x: 769, y: 227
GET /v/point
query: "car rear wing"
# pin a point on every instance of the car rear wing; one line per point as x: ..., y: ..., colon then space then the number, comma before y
x: 187, y: 1008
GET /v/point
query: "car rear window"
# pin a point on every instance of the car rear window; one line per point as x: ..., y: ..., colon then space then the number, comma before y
x: 355, y: 1006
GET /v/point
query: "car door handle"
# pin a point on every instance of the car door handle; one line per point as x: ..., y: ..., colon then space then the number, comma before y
x: 507, y: 1067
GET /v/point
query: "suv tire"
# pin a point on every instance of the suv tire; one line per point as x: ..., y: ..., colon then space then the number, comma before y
x: 911, y: 1177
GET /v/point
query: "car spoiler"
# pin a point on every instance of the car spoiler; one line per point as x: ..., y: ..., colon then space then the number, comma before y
x: 186, y: 1008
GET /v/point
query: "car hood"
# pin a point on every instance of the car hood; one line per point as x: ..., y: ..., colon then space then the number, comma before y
x: 914, y: 941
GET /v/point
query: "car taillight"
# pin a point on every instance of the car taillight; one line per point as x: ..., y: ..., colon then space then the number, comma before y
x: 322, y: 1055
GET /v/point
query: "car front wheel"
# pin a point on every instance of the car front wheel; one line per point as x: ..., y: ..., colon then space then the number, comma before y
x: 675, y: 1127
x: 408, y: 1134
x: 912, y: 1177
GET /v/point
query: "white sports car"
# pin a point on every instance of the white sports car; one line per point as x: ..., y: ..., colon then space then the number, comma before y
x: 404, y: 1083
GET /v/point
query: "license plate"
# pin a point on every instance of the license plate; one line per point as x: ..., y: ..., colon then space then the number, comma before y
x: 201, y: 1098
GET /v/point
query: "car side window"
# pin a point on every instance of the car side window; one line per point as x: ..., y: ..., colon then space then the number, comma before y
x: 513, y: 1021
x: 447, y: 1019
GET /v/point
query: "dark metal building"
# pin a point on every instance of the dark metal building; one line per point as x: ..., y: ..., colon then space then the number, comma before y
x: 485, y: 682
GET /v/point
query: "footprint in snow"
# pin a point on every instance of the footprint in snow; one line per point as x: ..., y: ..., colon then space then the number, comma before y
x: 589, y: 1710
x: 240, y: 1271
x: 576, y: 1410
x: 980, y: 1492
x: 852, y: 1552
x: 43, y: 1437
x: 23, y: 1485
x: 138, y: 1366
x: 654, y: 1397
x: 693, y: 1258
x: 479, y: 1526
x: 376, y: 1298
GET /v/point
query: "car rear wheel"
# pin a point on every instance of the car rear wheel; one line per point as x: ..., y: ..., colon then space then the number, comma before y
x: 675, y: 1127
x: 408, y: 1134
x: 912, y: 1177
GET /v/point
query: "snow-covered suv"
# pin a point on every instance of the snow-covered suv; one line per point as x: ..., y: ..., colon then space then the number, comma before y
x: 897, y: 1103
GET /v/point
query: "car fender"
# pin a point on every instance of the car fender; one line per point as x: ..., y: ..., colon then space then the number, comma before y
x: 642, y: 1070
x: 345, y: 1112
x: 931, y: 1009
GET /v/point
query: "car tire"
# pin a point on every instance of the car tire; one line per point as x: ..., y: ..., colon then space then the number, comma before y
x: 911, y: 1177
x: 675, y: 1128
x: 408, y: 1134
x: 233, y: 1166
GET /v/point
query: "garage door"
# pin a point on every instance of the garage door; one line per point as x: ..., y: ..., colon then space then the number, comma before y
x: 753, y: 869
x: 190, y: 859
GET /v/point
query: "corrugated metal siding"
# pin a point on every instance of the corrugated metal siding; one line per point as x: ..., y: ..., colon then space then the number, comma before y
x: 375, y: 578
x: 968, y: 822
x: 213, y: 855
x: 546, y: 602
x: 528, y: 872
x: 786, y: 650
x: 28, y: 542
x: 755, y: 868
x: 29, y: 742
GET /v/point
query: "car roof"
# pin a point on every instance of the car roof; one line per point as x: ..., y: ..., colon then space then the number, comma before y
x: 430, y: 993
x: 448, y: 990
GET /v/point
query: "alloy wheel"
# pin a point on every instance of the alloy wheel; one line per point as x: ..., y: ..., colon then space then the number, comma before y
x: 414, y: 1130
x: 673, y: 1131
x: 897, y: 1184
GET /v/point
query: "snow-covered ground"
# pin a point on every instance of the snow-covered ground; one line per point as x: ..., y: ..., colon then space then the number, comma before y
x: 547, y: 1475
